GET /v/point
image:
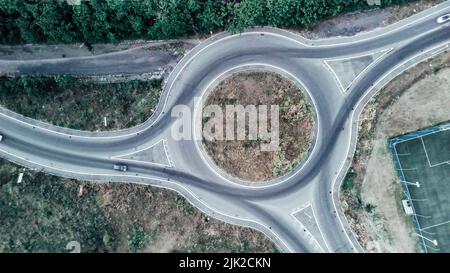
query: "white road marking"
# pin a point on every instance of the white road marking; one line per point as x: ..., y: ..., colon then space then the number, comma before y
x: 356, y: 117
x: 344, y: 89
x: 168, y: 95
x: 166, y: 150
x: 268, y: 229
x: 306, y: 205
x: 197, y: 109
x: 201, y: 50
x: 335, y: 76
x: 422, y: 18
x: 162, y: 141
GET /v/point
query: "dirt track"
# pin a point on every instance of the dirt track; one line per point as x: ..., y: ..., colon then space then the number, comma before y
x: 416, y: 99
x: 150, y: 59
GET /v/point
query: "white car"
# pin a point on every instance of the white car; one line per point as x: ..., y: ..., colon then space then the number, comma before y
x: 1, y: 138
x: 120, y: 167
x: 443, y: 19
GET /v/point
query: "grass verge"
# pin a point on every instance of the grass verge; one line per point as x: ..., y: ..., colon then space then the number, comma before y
x: 44, y: 212
x: 78, y: 104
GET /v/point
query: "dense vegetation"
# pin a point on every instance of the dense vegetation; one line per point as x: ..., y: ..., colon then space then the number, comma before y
x: 44, y: 213
x: 44, y: 217
x: 55, y: 98
x: 37, y: 21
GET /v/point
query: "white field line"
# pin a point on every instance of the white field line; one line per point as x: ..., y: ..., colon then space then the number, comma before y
x: 351, y: 122
x: 440, y: 224
x: 423, y: 216
x: 419, y: 136
x: 143, y: 162
x: 428, y: 159
x: 432, y: 248
x: 363, y: 54
x: 429, y: 233
x: 309, y: 216
x: 439, y: 164
x: 409, y: 197
x: 166, y: 187
x: 426, y: 153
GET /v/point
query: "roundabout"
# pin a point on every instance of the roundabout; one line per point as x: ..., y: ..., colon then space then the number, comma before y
x: 275, y: 208
x: 249, y: 151
x: 254, y: 145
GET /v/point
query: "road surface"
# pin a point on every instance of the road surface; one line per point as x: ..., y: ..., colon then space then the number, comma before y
x: 299, y: 212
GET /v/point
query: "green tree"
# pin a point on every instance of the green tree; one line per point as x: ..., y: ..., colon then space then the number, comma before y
x: 212, y: 16
x: 249, y: 13
x: 173, y: 19
x: 54, y: 21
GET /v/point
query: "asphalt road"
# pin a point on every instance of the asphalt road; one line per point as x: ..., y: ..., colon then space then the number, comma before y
x: 268, y: 207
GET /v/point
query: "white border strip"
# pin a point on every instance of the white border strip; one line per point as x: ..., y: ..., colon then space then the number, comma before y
x: 120, y: 157
x: 297, y: 210
x: 195, y: 125
x: 360, y: 74
x: 164, y: 181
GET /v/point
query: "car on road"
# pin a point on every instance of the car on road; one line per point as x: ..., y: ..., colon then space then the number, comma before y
x: 443, y: 19
x: 1, y: 137
x: 120, y: 167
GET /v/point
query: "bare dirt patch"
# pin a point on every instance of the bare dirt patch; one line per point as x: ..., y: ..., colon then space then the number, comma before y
x: 372, y: 198
x: 154, y: 220
x: 353, y: 23
x: 136, y: 60
x: 43, y: 51
x: 244, y: 158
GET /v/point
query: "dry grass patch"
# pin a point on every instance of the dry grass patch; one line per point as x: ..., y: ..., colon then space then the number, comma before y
x: 244, y: 158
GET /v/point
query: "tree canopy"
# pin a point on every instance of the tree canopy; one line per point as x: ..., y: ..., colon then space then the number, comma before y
x: 110, y: 21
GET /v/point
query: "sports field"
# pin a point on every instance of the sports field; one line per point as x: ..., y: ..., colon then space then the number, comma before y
x: 422, y: 159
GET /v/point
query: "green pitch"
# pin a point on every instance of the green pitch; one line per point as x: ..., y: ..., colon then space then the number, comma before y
x: 424, y: 157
